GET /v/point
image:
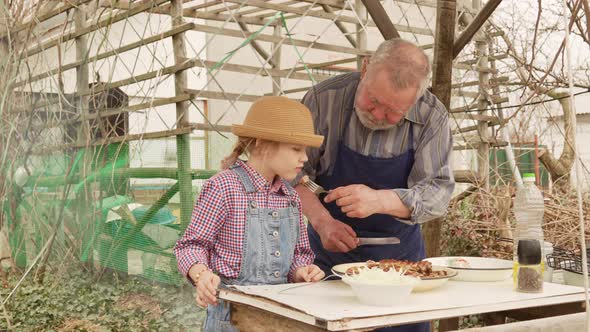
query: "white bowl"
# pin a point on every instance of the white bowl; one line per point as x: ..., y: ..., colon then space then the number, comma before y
x: 480, y: 268
x: 422, y: 284
x: 380, y: 294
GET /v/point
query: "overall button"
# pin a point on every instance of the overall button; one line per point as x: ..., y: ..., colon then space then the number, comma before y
x: 275, y: 214
x: 277, y: 253
x: 277, y: 274
x: 293, y: 203
x: 275, y: 233
x: 253, y: 204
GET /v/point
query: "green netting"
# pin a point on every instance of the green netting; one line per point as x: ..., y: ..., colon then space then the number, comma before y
x: 97, y: 214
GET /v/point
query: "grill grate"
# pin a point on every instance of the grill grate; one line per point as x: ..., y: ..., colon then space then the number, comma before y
x: 566, y: 260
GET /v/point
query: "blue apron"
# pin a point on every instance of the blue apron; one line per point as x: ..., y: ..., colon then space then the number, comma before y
x: 377, y: 173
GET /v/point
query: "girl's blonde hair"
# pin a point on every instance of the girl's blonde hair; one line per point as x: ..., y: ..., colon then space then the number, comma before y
x: 244, y: 144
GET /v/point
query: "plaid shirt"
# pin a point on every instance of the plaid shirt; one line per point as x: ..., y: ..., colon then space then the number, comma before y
x: 215, y: 235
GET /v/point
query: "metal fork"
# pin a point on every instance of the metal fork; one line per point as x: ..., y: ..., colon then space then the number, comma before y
x: 312, y: 186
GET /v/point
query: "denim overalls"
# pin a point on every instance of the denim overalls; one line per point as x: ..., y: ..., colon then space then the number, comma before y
x: 270, y: 236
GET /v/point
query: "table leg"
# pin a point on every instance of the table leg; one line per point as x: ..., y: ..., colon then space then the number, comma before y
x: 448, y: 324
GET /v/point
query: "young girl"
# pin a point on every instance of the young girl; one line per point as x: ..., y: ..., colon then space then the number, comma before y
x: 247, y: 226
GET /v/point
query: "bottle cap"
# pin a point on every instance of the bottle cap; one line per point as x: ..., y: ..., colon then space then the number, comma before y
x: 529, y: 177
x: 529, y: 252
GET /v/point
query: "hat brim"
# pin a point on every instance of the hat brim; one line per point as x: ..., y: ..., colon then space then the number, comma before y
x: 278, y: 136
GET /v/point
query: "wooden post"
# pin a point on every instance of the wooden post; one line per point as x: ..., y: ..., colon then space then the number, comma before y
x: 483, y: 148
x: 276, y: 62
x: 441, y: 87
x: 361, y: 35
x: 85, y: 218
x: 536, y: 162
x: 183, y: 151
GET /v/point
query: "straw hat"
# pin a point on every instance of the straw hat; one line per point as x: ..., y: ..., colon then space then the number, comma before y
x: 279, y: 119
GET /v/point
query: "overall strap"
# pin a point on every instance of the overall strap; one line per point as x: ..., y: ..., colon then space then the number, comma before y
x: 244, y: 178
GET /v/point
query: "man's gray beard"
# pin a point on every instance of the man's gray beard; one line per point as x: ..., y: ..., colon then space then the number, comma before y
x: 365, y: 119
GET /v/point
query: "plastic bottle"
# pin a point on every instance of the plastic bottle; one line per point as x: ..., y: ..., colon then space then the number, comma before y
x: 528, y: 211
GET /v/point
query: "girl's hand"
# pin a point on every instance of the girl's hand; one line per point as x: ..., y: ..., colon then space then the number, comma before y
x: 207, y: 284
x: 309, y: 273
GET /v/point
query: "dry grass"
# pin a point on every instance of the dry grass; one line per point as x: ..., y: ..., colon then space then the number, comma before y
x: 485, y: 222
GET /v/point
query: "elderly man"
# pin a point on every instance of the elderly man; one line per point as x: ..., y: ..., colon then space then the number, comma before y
x: 385, y: 159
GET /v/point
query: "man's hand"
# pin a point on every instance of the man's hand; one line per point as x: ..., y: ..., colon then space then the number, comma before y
x: 336, y: 236
x: 309, y: 273
x: 357, y: 200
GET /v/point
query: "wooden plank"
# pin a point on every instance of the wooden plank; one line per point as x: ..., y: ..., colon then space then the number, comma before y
x: 195, y: 13
x: 493, y: 81
x: 476, y: 117
x: 142, y: 42
x: 491, y: 58
x: 36, y: 19
x: 250, y: 319
x: 341, y: 27
x: 291, y: 91
x: 221, y: 95
x: 127, y: 138
x: 481, y: 69
x: 136, y: 9
x: 274, y: 39
x: 110, y: 112
x: 256, y: 46
x: 183, y: 148
x: 324, y: 15
x: 379, y: 16
x: 441, y: 87
x: 474, y: 26
x: 82, y: 77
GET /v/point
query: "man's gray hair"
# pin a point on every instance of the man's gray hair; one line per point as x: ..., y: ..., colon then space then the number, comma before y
x: 406, y: 63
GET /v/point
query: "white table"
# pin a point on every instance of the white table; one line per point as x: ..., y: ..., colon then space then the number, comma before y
x: 332, y: 306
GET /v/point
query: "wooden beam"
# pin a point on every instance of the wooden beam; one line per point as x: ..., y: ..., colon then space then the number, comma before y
x: 290, y: 91
x: 273, y: 39
x: 183, y: 148
x: 441, y: 87
x: 257, y: 46
x: 493, y: 81
x: 379, y: 16
x: 36, y: 19
x: 194, y: 12
x: 474, y: 26
x: 324, y: 64
x: 221, y: 95
x: 332, y: 3
x: 324, y: 15
x: 110, y: 112
x: 42, y: 46
x: 491, y: 57
x: 127, y: 138
x: 341, y: 27
x: 142, y: 42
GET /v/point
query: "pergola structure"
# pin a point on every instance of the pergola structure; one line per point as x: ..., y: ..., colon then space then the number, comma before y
x: 51, y: 59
